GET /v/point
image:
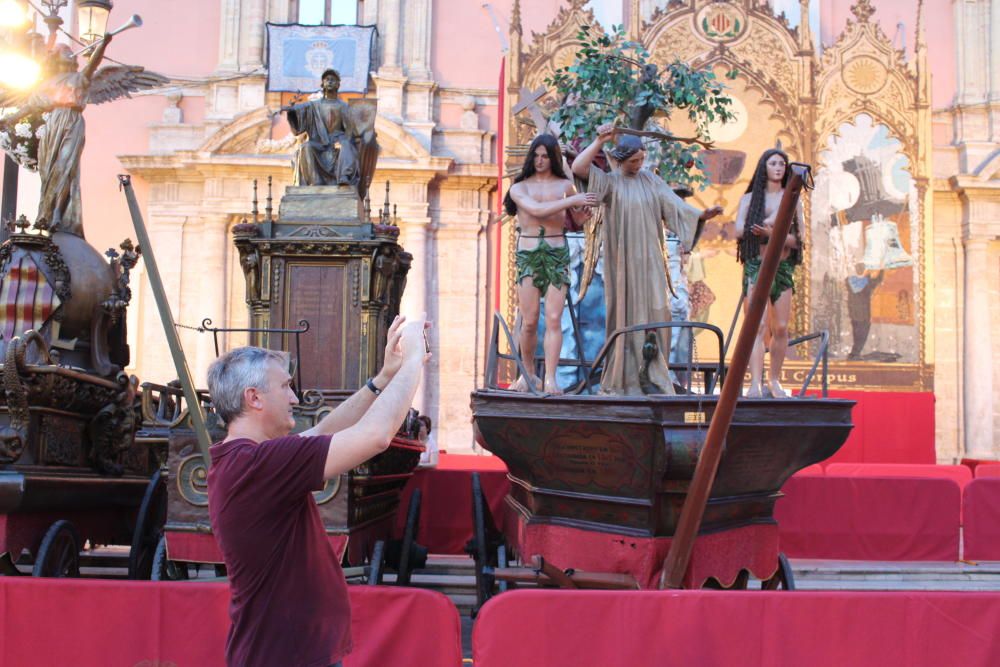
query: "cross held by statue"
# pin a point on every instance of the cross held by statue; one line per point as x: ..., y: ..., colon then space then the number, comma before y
x: 528, y: 101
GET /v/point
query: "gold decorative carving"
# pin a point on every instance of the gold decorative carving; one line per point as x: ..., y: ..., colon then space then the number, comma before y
x: 770, y: 55
x: 192, y: 480
x: 679, y: 42
x: 865, y: 75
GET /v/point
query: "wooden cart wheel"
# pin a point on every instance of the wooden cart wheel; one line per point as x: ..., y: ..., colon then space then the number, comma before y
x: 377, y: 566
x: 408, y: 550
x: 783, y: 578
x: 164, y: 569
x: 148, y: 528
x: 59, y: 553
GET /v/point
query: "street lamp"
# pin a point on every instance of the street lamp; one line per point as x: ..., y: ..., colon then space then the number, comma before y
x: 18, y: 71
x: 13, y: 13
x: 93, y: 19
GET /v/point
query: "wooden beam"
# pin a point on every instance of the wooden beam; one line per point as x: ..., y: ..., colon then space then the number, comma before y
x: 676, y: 564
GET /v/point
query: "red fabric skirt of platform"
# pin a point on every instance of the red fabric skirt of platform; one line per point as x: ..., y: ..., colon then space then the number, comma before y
x: 720, y: 555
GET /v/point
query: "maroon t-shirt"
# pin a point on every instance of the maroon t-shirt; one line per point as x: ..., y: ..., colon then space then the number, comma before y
x: 289, y: 603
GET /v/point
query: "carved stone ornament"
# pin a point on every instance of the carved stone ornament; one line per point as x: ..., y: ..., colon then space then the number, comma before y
x: 722, y: 22
x: 113, y: 428
x: 192, y: 480
x: 316, y: 231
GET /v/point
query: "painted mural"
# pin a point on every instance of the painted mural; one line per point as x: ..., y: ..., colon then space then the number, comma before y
x: 865, y: 288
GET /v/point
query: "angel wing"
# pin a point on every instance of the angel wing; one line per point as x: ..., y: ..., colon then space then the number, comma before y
x: 591, y: 249
x: 117, y: 81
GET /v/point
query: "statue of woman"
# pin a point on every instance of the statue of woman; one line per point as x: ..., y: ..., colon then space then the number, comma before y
x: 754, y: 225
x: 60, y: 146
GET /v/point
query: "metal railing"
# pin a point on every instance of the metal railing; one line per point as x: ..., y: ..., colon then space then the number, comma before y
x: 206, y: 327
x: 822, y: 354
x: 713, y: 372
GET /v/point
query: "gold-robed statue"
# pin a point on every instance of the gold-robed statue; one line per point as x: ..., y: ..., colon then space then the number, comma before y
x: 639, y: 204
x: 340, y: 146
x: 61, y: 100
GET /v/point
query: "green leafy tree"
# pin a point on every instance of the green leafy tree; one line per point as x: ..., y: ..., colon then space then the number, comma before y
x: 612, y: 80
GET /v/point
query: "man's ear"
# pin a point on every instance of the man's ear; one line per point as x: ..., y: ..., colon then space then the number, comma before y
x: 251, y: 398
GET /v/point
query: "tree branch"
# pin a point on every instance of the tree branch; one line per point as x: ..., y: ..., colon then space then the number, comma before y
x: 664, y: 136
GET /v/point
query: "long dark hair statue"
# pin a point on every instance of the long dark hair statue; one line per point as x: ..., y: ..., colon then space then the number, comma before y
x: 749, y: 246
x: 528, y: 168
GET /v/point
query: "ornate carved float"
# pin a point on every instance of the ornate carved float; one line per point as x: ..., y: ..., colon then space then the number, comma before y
x: 70, y: 470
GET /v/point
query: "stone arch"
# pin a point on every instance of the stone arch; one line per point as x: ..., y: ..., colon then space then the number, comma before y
x: 395, y: 141
x: 989, y: 169
x: 241, y: 135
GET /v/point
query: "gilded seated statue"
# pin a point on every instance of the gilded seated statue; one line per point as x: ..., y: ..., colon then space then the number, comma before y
x: 340, y: 148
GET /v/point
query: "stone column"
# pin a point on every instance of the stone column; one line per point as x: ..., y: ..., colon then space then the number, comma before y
x: 278, y: 12
x: 992, y: 28
x: 978, y: 362
x: 414, y: 222
x: 388, y: 26
x: 229, y: 35
x: 417, y: 39
x: 206, y: 297
x: 166, y: 234
x: 993, y: 35
x: 253, y: 15
x: 389, y: 79
x: 458, y: 286
x: 972, y: 40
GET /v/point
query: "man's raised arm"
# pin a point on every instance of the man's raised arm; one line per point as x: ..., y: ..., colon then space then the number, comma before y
x: 373, y: 432
x: 350, y: 411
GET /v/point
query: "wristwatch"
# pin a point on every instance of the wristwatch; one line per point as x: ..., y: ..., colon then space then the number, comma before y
x: 370, y: 383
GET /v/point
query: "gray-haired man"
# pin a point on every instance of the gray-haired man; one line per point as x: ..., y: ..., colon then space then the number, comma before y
x: 289, y: 601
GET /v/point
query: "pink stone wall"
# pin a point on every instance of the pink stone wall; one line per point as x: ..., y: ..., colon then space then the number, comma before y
x: 466, y: 50
x: 179, y: 38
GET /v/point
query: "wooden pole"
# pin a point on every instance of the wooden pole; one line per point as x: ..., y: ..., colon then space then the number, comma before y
x: 676, y: 564
x: 169, y: 328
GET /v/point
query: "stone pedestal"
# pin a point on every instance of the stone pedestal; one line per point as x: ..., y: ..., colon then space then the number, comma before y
x: 335, y: 207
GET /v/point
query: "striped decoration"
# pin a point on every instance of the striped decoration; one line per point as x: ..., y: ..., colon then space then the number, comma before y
x: 27, y: 299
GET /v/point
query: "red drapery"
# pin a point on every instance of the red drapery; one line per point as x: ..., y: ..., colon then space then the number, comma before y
x: 889, y: 427
x: 446, y: 500
x: 720, y: 555
x: 869, y: 518
x: 705, y: 628
x: 981, y: 507
x: 102, y: 623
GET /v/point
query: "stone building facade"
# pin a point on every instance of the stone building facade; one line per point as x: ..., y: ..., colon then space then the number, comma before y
x: 195, y: 149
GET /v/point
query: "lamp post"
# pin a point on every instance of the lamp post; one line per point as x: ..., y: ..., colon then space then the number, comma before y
x: 20, y: 67
x: 93, y: 19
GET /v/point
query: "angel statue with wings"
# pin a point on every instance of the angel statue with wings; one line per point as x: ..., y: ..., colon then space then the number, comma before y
x: 61, y: 99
